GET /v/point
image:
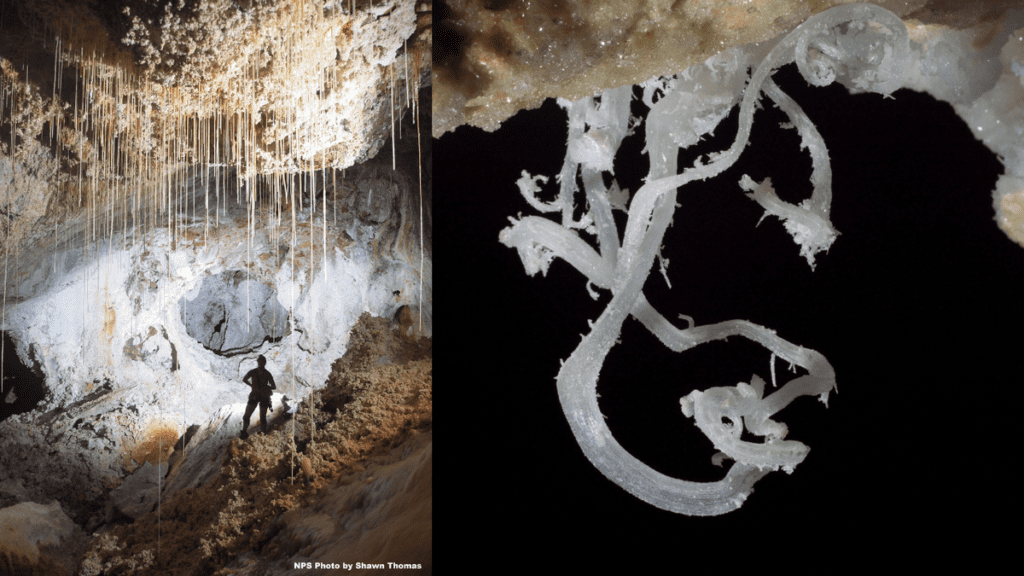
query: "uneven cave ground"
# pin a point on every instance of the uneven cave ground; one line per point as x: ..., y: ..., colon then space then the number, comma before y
x: 378, y: 395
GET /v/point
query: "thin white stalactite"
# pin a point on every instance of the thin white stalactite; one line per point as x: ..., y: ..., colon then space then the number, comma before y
x: 7, y: 253
x: 419, y: 147
x: 392, y: 117
x: 53, y: 91
x: 405, y: 69
x: 293, y: 200
x: 3, y: 313
x: 310, y: 293
x: 159, y: 455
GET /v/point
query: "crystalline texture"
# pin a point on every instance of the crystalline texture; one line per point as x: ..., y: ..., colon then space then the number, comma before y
x: 862, y: 46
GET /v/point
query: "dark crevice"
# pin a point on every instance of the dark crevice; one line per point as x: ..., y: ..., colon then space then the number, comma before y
x: 22, y: 388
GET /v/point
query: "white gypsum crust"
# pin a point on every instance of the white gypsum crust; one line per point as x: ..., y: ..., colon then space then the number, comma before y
x: 846, y: 41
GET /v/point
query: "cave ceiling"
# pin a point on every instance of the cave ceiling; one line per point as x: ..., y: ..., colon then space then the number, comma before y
x: 497, y: 57
x: 100, y: 97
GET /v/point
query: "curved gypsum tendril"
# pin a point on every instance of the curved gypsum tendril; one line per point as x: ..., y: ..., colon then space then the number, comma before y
x: 539, y: 240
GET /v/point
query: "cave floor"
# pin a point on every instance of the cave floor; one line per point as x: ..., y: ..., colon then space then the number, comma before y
x: 376, y: 402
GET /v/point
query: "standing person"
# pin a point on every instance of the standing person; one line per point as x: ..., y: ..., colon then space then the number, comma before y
x: 262, y: 383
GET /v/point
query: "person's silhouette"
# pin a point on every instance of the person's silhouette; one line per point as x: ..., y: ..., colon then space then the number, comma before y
x: 262, y: 383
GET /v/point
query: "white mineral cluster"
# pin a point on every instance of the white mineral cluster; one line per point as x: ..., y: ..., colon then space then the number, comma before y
x: 865, y: 48
x: 139, y: 332
x: 981, y: 74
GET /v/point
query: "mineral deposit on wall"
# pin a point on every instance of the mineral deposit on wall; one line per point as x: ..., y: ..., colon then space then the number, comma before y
x: 497, y: 57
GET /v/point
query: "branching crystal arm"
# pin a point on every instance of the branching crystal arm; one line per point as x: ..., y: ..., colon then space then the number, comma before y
x: 540, y: 240
x: 862, y: 46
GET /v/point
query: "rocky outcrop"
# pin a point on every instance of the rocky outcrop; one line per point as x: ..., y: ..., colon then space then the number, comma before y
x: 138, y: 493
x: 349, y: 469
x: 32, y: 536
x: 208, y: 448
x: 383, y: 512
x: 152, y: 347
x: 233, y: 314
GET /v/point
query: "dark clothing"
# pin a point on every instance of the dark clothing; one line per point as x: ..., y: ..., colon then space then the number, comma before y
x: 262, y: 383
x: 249, y: 409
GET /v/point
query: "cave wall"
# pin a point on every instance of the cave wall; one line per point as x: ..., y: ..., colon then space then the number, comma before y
x: 103, y: 101
x: 292, y: 126
x: 499, y: 57
x: 117, y: 204
x: 120, y: 309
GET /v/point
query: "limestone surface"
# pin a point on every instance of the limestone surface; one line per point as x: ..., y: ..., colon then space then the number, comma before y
x: 28, y: 526
x: 185, y: 186
x: 233, y: 314
x: 499, y: 57
x: 137, y: 495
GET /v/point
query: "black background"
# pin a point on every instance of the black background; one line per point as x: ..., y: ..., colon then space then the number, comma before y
x: 918, y: 306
